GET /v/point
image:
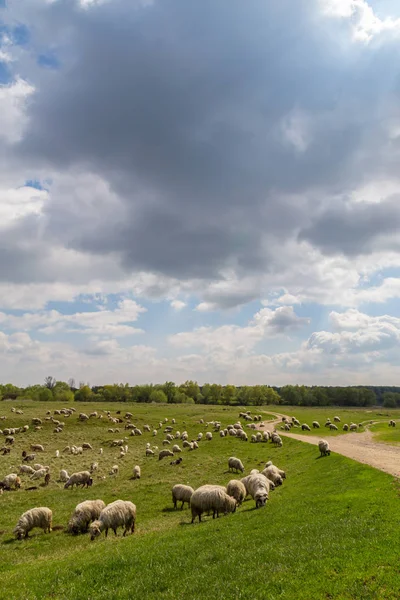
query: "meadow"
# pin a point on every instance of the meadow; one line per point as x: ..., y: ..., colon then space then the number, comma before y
x: 329, y: 532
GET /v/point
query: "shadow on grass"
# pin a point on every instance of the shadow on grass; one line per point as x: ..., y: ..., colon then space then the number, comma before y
x: 169, y: 509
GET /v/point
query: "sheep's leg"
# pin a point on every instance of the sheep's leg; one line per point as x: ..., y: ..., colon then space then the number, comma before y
x: 106, y: 531
x: 133, y: 527
x: 114, y: 530
x: 182, y: 505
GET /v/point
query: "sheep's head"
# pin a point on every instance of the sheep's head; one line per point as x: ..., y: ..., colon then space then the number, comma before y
x: 19, y: 532
x: 261, y: 500
x: 95, y: 530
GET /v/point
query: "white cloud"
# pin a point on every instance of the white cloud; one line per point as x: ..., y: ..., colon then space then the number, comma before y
x: 18, y: 203
x: 13, y: 98
x: 178, y: 304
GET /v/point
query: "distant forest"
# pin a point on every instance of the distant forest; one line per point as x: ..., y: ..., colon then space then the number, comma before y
x: 210, y: 393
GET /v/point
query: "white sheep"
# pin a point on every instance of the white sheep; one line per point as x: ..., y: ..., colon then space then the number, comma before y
x: 345, y: 427
x: 149, y: 452
x: 26, y: 469
x: 35, y: 517
x: 120, y: 513
x: 164, y: 453
x: 39, y: 474
x: 337, y: 419
x: 274, y: 474
x: 11, y: 481
x: 80, y: 478
x: 114, y: 470
x: 237, y: 490
x: 209, y: 435
x: 136, y: 472
x: 181, y: 493
x: 211, y: 498
x: 258, y: 486
x: 175, y: 448
x: 305, y: 427
x: 235, y: 464
x: 333, y: 427
x: 93, y: 467
x: 324, y: 448
x: 85, y: 513
x: 64, y: 475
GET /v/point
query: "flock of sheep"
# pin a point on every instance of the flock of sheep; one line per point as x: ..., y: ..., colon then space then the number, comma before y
x: 94, y: 516
x: 287, y: 424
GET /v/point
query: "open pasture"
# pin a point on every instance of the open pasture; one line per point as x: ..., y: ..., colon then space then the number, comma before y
x: 330, y: 531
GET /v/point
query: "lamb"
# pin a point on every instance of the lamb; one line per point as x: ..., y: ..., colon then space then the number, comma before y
x: 80, y: 478
x: 182, y: 493
x: 258, y: 487
x: 235, y: 464
x: 85, y: 513
x: 120, y: 513
x: 211, y: 498
x: 11, y: 481
x: 136, y: 472
x: 64, y: 475
x: 35, y: 517
x: 164, y: 453
x: 305, y: 427
x: 237, y: 490
x: 324, y: 448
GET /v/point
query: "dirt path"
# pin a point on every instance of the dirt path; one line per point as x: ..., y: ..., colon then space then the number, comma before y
x: 358, y: 446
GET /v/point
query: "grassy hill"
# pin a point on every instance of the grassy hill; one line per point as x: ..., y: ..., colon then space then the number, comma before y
x: 329, y: 532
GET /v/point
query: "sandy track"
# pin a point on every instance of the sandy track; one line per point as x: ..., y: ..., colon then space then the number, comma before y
x: 358, y: 446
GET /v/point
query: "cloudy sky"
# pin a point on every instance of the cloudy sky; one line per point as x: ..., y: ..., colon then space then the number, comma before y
x: 203, y: 189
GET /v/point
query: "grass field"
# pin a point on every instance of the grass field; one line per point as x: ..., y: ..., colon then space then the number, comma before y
x: 383, y: 433
x: 329, y: 532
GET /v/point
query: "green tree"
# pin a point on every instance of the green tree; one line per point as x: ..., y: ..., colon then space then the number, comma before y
x: 158, y: 396
x: 45, y: 395
x: 84, y: 394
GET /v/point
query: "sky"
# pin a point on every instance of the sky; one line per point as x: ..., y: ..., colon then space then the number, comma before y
x: 203, y: 190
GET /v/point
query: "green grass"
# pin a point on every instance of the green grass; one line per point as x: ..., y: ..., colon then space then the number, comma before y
x: 329, y: 532
x: 383, y: 433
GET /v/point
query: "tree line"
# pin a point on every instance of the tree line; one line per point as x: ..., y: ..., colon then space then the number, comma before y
x: 191, y: 392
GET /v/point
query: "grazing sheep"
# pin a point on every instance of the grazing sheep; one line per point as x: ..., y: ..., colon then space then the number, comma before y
x: 353, y: 427
x: 392, y: 423
x: 181, y: 493
x: 266, y: 436
x: 39, y: 474
x: 150, y: 452
x: 305, y: 427
x: 337, y: 419
x: 274, y: 474
x: 328, y: 423
x: 324, y: 448
x: 175, y: 448
x: 258, y: 487
x: 114, y: 470
x: 87, y: 446
x: 154, y: 432
x: 84, y: 513
x: 199, y: 437
x: 166, y: 443
x: 177, y: 461
x: 333, y: 427
x: 237, y: 490
x: 64, y: 475
x: 276, y: 439
x: 136, y: 472
x: 235, y: 464
x: 57, y: 453
x: 345, y: 427
x: 222, y: 433
x: 120, y: 513
x: 211, y: 498
x: 80, y: 478
x: 253, y: 439
x: 26, y: 469
x: 209, y: 435
x: 11, y: 481
x: 93, y: 467
x: 35, y: 517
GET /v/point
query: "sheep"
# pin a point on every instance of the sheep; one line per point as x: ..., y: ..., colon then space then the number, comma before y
x: 236, y: 489
x: 120, y: 513
x: 64, y: 475
x: 83, y: 417
x: 222, y: 433
x: 26, y: 469
x: 199, y: 437
x: 337, y: 419
x: 209, y: 436
x: 11, y: 481
x: 276, y: 439
x: 232, y: 432
x: 93, y: 467
x: 324, y: 448
x: 35, y: 517
x: 353, y: 427
x: 84, y: 513
x: 259, y: 436
x: 175, y: 448
x: 258, y: 487
x: 136, y: 472
x: 333, y: 427
x: 166, y: 443
x: 38, y: 466
x: 39, y: 474
x: 57, y: 454
x: 177, y: 461
x: 182, y: 493
x: 114, y: 470
x: 80, y: 478
x: 149, y: 452
x: 154, y: 432
x: 211, y: 498
x: 186, y: 444
x: 328, y: 423
x: 253, y: 439
x: 235, y: 464
x: 87, y: 446
x: 305, y: 427
x: 345, y: 427
x: 392, y: 423
x: 274, y: 474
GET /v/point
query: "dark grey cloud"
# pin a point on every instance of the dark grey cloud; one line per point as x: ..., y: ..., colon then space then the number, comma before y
x: 182, y: 108
x: 284, y: 320
x: 355, y: 229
